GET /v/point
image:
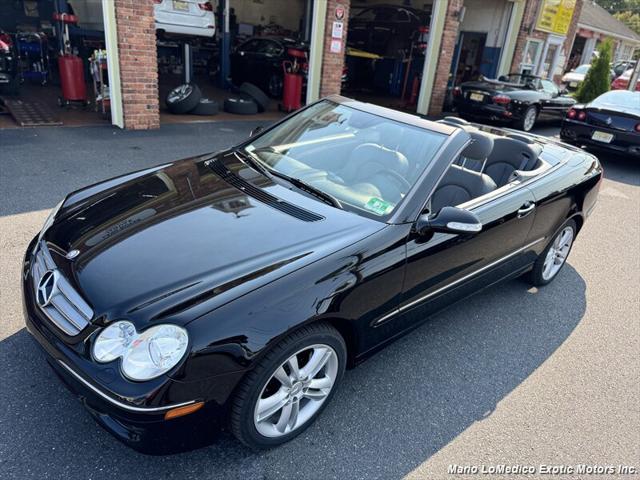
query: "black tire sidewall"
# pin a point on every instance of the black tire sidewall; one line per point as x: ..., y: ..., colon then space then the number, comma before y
x: 258, y: 96
x: 536, y: 273
x: 240, y: 106
x: 248, y: 432
x: 210, y: 107
x: 186, y: 104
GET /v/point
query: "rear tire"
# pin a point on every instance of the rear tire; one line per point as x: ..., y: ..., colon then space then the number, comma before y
x: 553, y: 258
x: 528, y: 120
x: 289, y: 388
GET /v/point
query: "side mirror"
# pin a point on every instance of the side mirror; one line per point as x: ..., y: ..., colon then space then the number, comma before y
x: 449, y: 220
x: 255, y: 131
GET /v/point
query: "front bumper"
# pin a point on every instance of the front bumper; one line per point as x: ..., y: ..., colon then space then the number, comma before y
x: 131, y: 419
x: 579, y: 133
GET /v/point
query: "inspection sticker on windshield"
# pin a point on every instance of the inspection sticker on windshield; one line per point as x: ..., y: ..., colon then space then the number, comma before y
x: 378, y: 206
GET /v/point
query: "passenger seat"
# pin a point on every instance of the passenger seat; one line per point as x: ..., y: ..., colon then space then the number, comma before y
x: 508, y: 155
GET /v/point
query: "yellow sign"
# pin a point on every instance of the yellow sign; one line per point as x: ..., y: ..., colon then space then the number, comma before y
x: 555, y: 16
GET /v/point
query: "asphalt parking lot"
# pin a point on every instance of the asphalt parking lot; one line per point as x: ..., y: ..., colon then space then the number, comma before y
x: 511, y: 376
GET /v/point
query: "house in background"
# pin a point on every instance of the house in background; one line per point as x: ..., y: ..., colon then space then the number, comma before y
x: 594, y: 25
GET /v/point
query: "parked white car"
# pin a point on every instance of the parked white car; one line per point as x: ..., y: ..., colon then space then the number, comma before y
x: 185, y: 17
x: 575, y: 77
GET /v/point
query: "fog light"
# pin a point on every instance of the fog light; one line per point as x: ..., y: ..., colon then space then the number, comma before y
x: 182, y: 411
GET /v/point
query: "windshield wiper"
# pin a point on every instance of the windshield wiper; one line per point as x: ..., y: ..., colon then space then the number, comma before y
x: 269, y: 172
x: 322, y: 195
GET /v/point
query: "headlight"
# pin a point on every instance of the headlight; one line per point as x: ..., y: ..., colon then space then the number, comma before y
x: 144, y: 355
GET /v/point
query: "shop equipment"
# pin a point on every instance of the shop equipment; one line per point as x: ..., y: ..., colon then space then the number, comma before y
x: 98, y: 69
x: 33, y: 54
x: 74, y: 88
x: 292, y: 84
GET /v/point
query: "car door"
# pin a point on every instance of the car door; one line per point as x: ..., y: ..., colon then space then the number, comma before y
x: 443, y: 267
x: 554, y: 105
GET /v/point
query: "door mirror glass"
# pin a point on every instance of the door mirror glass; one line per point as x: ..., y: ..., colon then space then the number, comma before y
x: 449, y: 220
x: 255, y: 131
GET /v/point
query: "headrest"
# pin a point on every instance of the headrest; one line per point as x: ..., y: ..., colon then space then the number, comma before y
x: 480, y: 147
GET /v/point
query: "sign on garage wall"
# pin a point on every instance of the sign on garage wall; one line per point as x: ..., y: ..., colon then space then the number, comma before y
x: 555, y: 16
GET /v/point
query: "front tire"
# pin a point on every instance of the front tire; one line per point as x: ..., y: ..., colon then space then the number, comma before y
x: 553, y: 258
x: 289, y: 387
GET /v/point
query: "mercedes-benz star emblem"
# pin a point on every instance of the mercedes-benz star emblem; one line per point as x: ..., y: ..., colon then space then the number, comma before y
x: 72, y: 254
x: 608, y: 121
x: 46, y: 287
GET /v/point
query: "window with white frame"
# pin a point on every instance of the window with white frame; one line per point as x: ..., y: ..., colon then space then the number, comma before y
x: 531, y: 56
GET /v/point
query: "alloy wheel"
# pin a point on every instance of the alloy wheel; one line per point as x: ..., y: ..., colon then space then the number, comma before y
x: 296, y: 390
x: 529, y: 119
x: 180, y: 93
x: 557, y: 254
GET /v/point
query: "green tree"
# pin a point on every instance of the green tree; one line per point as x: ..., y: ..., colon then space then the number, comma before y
x: 630, y: 19
x: 598, y: 78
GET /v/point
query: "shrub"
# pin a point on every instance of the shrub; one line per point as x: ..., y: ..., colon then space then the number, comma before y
x: 598, y: 78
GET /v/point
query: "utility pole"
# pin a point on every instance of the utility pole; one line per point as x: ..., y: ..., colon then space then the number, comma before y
x: 633, y: 81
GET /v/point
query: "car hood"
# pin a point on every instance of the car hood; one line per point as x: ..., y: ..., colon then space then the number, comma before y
x: 180, y: 240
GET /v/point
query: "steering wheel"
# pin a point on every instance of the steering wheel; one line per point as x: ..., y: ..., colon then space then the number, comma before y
x: 405, y: 185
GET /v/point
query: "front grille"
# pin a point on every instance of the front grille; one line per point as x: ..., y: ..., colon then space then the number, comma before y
x: 55, y: 296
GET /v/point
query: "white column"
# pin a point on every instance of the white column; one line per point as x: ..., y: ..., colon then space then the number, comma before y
x: 436, y: 29
x: 511, y: 38
x: 316, y: 50
x: 113, y: 62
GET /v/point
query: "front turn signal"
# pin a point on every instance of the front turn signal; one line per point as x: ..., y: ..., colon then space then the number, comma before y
x: 182, y: 411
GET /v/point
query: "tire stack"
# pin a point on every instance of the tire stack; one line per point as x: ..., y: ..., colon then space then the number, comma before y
x: 248, y: 101
x: 187, y: 98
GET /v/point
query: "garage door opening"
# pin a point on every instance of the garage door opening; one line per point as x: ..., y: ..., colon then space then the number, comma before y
x: 386, y: 47
x: 242, y: 42
x: 49, y: 53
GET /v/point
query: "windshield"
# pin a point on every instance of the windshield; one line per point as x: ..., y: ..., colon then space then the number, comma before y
x: 367, y: 162
x: 618, y: 99
x: 582, y: 69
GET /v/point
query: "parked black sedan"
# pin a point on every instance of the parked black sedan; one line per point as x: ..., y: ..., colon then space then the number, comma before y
x: 259, y: 61
x: 516, y: 99
x: 610, y: 122
x: 234, y: 288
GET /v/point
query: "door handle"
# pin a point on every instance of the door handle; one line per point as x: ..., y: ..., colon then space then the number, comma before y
x: 526, y: 209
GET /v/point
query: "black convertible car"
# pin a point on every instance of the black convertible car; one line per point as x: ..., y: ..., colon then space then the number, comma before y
x: 610, y: 122
x: 233, y: 289
x: 516, y: 99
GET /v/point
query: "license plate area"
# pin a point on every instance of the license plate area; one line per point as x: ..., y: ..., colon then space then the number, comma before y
x: 476, y: 97
x: 180, y: 6
x: 603, y: 137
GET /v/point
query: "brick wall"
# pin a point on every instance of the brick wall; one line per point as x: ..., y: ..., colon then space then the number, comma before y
x: 447, y: 47
x: 332, y: 63
x: 138, y: 63
x: 527, y: 30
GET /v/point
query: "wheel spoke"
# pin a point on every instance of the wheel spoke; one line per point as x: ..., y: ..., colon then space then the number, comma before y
x: 293, y: 365
x: 282, y: 377
x: 318, y: 360
x: 318, y: 383
x: 316, y: 394
x: 293, y: 419
x: 285, y: 416
x: 270, y: 405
